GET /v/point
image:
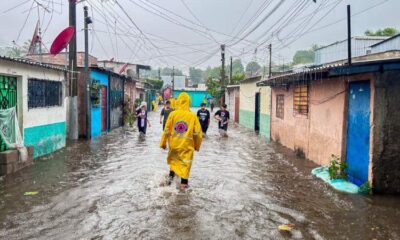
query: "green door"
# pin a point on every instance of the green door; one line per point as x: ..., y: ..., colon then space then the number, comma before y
x: 8, y: 97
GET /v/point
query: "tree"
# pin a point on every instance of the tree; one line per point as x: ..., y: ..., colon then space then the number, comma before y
x: 385, y: 32
x: 304, y: 56
x: 196, y: 75
x: 237, y: 77
x: 237, y: 66
x: 168, y: 71
x: 157, y: 84
x: 212, y: 72
x: 252, y: 67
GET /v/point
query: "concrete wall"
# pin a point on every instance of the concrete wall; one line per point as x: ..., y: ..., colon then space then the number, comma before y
x: 248, y: 90
x: 385, y: 165
x: 319, y: 134
x: 43, y: 128
x: 196, y: 96
x: 230, y: 99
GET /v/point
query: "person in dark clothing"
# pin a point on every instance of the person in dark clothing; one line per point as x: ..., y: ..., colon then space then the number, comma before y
x: 222, y: 116
x: 142, y: 120
x: 165, y: 113
x: 204, y: 117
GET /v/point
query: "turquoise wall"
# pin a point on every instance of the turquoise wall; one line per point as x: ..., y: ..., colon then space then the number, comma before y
x: 247, y: 119
x: 45, y: 139
x: 96, y: 117
x: 196, y: 96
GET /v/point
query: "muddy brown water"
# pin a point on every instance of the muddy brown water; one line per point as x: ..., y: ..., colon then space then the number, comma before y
x: 241, y: 188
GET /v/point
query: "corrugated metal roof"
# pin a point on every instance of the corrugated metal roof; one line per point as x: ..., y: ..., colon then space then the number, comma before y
x: 386, y: 40
x: 333, y: 70
x: 32, y: 63
x: 355, y: 37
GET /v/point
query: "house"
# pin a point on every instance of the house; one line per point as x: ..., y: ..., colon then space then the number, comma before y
x: 387, y: 45
x: 360, y: 45
x: 37, y: 91
x: 254, y: 107
x: 197, y: 97
x: 232, y: 99
x: 106, y: 99
x: 348, y: 111
x: 130, y: 92
x: 180, y: 82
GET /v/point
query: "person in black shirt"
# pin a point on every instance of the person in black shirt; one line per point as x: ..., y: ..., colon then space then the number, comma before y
x: 204, y: 117
x: 165, y: 113
x: 222, y: 116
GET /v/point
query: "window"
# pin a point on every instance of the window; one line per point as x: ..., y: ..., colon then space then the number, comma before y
x: 44, y: 93
x: 300, y: 100
x: 280, y: 106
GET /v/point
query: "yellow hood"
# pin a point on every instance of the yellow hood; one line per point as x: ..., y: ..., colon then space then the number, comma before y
x: 183, y: 102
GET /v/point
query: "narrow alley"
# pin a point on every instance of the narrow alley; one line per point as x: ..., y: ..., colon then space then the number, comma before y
x: 241, y: 188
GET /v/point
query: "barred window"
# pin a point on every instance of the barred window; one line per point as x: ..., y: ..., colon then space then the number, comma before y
x: 280, y: 106
x: 44, y: 93
x: 300, y: 99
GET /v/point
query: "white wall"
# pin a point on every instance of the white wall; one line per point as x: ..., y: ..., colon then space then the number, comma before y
x: 37, y: 116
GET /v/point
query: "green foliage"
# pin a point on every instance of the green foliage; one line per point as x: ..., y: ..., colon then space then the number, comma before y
x: 138, y: 101
x: 337, y: 168
x: 168, y: 71
x: 196, y: 75
x: 212, y: 72
x: 157, y: 84
x: 95, y: 88
x: 252, y: 67
x: 213, y: 86
x: 303, y: 56
x: 129, y: 116
x: 385, y: 32
x: 237, y: 77
x: 365, y: 188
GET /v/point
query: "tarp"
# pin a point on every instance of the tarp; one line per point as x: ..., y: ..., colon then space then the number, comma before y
x: 10, y: 132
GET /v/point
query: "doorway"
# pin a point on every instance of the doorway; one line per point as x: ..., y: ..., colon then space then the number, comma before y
x: 257, y: 113
x: 358, y: 131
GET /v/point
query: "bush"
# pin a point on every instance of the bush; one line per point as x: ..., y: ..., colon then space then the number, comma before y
x: 337, y: 168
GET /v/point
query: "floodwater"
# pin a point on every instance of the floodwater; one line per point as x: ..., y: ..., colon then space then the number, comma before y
x: 241, y: 188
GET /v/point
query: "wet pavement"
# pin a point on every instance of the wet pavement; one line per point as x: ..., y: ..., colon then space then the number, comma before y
x: 241, y: 188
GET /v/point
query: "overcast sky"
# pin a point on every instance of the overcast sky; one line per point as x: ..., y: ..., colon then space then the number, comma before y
x: 186, y: 33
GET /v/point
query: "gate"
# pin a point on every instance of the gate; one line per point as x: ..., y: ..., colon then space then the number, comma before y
x: 116, y: 102
x: 8, y: 98
x: 103, y: 108
x: 237, y: 108
x: 257, y: 113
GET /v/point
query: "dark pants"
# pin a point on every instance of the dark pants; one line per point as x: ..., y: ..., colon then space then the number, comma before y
x: 204, y: 128
x: 223, y: 127
x: 183, y: 181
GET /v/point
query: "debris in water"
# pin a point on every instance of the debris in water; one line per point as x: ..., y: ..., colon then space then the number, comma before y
x: 31, y: 193
x: 286, y: 227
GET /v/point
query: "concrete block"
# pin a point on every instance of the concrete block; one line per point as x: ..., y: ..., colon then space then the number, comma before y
x: 8, y: 157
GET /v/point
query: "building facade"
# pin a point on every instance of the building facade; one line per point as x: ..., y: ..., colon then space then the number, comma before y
x: 37, y: 91
x: 347, y: 111
x: 254, y: 110
x: 197, y: 97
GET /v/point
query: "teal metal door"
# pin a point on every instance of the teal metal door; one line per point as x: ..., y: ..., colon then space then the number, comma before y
x: 358, y: 129
x: 8, y: 97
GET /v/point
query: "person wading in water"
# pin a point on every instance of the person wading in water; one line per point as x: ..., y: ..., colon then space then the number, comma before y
x: 142, y: 120
x: 183, y: 135
x: 165, y: 113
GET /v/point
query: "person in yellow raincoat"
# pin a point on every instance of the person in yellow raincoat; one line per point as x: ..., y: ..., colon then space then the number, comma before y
x: 184, y: 136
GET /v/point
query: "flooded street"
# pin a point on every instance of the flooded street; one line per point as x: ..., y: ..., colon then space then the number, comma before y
x: 241, y: 188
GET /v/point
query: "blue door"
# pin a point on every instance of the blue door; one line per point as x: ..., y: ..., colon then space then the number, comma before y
x: 357, y: 151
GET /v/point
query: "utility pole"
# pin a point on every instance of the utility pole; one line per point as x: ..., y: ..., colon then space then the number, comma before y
x: 230, y: 73
x: 222, y: 71
x: 73, y: 101
x: 159, y: 73
x: 40, y: 45
x: 88, y: 81
x: 348, y: 34
x: 270, y: 60
x: 173, y: 80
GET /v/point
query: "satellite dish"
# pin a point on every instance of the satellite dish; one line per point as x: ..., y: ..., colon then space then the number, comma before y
x: 62, y: 40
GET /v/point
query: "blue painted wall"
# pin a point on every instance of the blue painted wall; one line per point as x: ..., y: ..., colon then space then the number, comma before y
x: 96, y: 111
x: 196, y: 96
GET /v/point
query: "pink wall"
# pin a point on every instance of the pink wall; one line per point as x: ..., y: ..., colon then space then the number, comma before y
x: 318, y: 135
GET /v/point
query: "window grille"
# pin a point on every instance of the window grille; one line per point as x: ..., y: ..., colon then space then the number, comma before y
x: 300, y: 100
x: 280, y: 106
x: 44, y: 93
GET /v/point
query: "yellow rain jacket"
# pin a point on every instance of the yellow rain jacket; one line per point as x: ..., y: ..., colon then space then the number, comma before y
x: 154, y: 104
x: 173, y: 103
x: 184, y: 136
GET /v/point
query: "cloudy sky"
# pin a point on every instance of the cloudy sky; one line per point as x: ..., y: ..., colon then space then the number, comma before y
x: 186, y: 33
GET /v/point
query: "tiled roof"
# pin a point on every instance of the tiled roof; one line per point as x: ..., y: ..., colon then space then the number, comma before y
x: 32, y: 63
